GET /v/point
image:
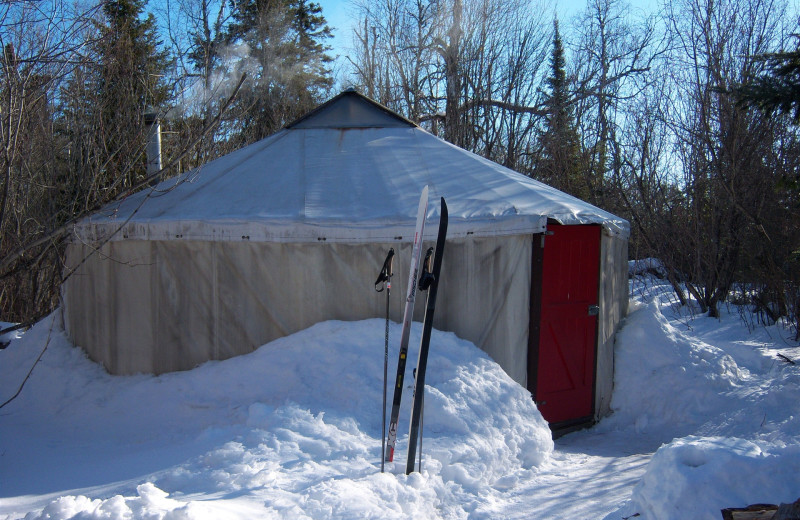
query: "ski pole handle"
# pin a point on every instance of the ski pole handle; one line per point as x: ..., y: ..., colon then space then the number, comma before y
x: 385, y: 276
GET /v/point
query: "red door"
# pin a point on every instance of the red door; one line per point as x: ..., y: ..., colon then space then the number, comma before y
x: 565, y: 357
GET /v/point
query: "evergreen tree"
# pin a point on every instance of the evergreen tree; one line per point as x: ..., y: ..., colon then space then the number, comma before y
x: 130, y: 82
x: 778, y: 88
x: 287, y: 63
x: 776, y: 91
x: 559, y: 162
x: 310, y: 31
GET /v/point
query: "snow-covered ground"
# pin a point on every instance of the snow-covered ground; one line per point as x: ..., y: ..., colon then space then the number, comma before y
x: 706, y: 416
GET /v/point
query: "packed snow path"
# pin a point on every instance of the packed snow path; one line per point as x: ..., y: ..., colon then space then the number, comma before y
x: 706, y: 416
x: 589, y: 475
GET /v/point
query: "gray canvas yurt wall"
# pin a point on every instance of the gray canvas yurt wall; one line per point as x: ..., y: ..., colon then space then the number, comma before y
x: 162, y: 306
x: 293, y: 229
x: 613, y: 302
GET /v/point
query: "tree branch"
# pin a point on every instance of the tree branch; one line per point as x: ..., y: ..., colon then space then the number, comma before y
x: 8, y: 262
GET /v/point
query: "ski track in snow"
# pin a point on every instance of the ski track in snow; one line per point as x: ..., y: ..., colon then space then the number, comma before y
x: 695, y: 401
x: 588, y: 476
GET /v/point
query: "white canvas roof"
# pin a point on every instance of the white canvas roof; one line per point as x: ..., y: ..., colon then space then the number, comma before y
x: 350, y: 171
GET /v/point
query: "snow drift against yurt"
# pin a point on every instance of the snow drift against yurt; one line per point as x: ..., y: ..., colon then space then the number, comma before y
x: 295, y: 425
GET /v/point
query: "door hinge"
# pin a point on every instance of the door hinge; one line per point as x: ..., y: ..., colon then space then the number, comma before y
x: 594, y: 310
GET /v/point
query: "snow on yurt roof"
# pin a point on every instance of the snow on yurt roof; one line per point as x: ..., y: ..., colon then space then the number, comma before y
x: 349, y: 171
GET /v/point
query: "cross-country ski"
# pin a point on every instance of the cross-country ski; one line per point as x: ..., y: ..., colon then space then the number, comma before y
x: 430, y: 282
x: 408, y: 313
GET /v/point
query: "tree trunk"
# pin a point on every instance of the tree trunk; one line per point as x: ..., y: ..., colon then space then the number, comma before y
x: 451, y: 56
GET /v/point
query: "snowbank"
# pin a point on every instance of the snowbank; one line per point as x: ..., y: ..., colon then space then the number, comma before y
x: 292, y: 430
x: 671, y: 383
x: 667, y: 382
x: 696, y: 477
x: 647, y: 266
x: 719, y: 397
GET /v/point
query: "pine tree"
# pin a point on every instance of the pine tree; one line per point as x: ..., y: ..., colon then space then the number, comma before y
x: 778, y: 88
x: 559, y: 162
x: 129, y: 83
x: 103, y: 102
x: 287, y: 62
x: 776, y: 91
x: 310, y: 31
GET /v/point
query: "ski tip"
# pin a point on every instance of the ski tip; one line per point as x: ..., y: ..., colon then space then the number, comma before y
x: 422, y: 210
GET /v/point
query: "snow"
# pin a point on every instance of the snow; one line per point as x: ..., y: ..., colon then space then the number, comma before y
x: 705, y: 472
x: 8, y: 336
x: 647, y: 266
x: 292, y: 430
x: 706, y: 416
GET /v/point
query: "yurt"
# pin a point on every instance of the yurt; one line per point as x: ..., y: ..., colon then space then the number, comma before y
x: 292, y: 230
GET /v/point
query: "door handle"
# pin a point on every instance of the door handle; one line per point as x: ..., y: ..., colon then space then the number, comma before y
x: 594, y: 310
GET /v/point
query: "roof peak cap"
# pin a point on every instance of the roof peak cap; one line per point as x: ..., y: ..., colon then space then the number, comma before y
x: 351, y: 109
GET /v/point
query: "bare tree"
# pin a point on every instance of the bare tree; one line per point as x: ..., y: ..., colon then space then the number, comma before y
x: 725, y: 153
x: 505, y: 51
x: 616, y: 47
x: 468, y: 69
x: 395, y: 61
x: 41, y: 44
x: 645, y: 180
x: 195, y: 32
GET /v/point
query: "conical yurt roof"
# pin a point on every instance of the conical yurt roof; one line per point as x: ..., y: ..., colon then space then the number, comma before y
x: 349, y: 171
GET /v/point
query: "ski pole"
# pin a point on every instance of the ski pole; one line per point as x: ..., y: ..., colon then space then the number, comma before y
x: 385, y: 281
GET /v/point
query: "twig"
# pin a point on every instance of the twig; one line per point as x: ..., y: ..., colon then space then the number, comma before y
x: 47, y: 344
x: 18, y: 326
